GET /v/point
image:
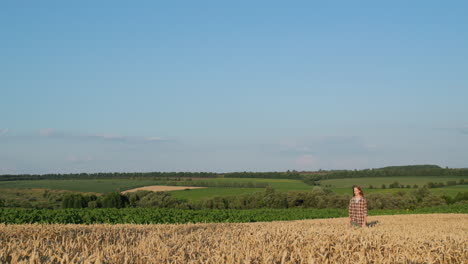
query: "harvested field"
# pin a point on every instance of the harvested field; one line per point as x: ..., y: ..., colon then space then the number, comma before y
x: 431, y: 238
x: 161, y: 188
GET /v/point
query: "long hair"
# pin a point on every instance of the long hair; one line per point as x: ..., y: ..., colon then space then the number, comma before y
x: 360, y: 190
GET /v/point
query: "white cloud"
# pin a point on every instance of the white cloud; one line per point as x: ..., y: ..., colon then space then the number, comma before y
x: 327, y: 146
x: 314, y: 162
x: 79, y: 159
x: 109, y: 136
x: 463, y: 129
x: 46, y: 132
x: 3, y: 131
x: 308, y: 161
x: 154, y: 139
x: 51, y: 133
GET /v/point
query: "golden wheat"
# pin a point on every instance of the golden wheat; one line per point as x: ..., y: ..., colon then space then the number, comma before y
x: 432, y: 238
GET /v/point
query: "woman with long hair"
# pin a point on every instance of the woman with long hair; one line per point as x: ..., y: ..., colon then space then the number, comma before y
x: 357, y: 208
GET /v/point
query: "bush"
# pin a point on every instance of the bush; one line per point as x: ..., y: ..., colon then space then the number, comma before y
x: 394, y: 185
x: 398, y: 200
x: 158, y: 200
x: 421, y: 193
x: 77, y: 200
x: 134, y: 197
x: 461, y: 196
x: 94, y: 204
x: 74, y: 201
x: 432, y: 200
x: 114, y: 200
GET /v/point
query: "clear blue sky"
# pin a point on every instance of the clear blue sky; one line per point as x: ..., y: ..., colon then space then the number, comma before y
x: 94, y: 86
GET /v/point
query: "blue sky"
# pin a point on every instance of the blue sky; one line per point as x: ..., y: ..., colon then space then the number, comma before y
x: 95, y: 86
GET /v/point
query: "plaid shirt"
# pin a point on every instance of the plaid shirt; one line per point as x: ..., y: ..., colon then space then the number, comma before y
x: 357, y: 210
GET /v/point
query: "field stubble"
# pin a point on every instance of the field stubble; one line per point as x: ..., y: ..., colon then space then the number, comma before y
x: 430, y: 238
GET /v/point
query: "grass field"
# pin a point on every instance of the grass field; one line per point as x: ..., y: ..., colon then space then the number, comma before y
x: 109, y: 185
x: 378, y: 181
x: 199, y: 194
x: 88, y: 185
x: 278, y: 184
x: 41, y: 198
x: 341, y: 186
x: 450, y: 191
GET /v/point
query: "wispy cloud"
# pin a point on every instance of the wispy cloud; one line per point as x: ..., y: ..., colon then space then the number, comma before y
x: 312, y: 162
x: 47, y: 132
x: 4, y: 131
x: 79, y: 159
x: 328, y: 152
x: 328, y: 145
x: 51, y: 133
x: 308, y: 161
x: 154, y: 139
x: 462, y: 129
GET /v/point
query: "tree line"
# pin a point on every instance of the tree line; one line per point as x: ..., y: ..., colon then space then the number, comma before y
x: 270, y: 198
x: 397, y: 185
x: 108, y: 175
x: 394, y: 171
x: 310, y: 178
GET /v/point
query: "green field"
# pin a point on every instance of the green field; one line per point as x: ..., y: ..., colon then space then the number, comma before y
x: 378, y: 181
x: 200, y: 194
x: 88, y: 185
x: 450, y: 191
x: 341, y: 186
x: 110, y: 185
x: 344, y: 186
x: 278, y: 184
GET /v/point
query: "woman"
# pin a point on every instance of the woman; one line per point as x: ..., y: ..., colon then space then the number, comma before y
x: 357, y: 208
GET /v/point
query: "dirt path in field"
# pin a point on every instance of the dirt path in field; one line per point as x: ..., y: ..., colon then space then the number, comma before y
x: 161, y: 188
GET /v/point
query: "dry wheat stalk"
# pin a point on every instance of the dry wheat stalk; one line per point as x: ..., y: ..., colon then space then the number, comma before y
x: 434, y: 238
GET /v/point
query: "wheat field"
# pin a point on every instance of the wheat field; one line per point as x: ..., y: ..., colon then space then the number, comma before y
x: 431, y: 238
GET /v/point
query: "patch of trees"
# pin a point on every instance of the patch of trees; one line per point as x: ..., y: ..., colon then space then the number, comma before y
x: 77, y: 200
x: 265, y: 175
x: 270, y: 198
x: 153, y: 175
x: 310, y: 178
x: 117, y: 200
x: 321, y: 198
x: 394, y: 171
x: 397, y: 185
x: 108, y: 175
x: 460, y: 197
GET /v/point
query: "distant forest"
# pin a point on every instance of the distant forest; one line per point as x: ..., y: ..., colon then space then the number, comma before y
x: 310, y: 177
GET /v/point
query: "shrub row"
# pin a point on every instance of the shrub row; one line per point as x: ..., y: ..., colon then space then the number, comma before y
x: 172, y: 216
x: 318, y: 198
